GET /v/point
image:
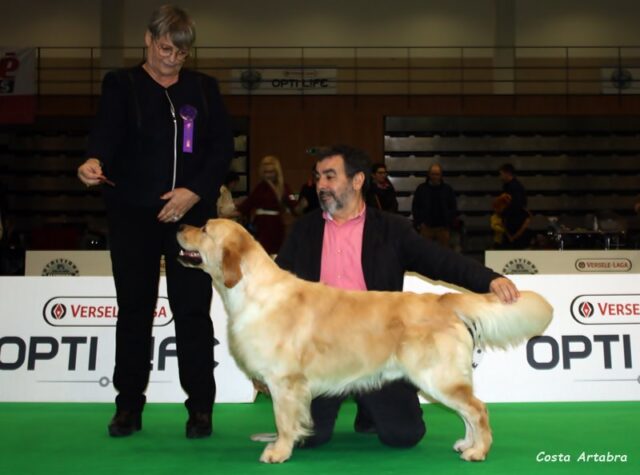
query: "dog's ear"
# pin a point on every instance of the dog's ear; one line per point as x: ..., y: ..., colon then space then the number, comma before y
x: 231, y: 267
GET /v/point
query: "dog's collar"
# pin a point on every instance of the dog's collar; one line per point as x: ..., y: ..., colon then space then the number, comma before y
x: 473, y: 331
x: 477, y: 343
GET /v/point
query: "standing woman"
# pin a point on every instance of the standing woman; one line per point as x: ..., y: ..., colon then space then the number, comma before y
x: 269, y: 205
x: 160, y: 149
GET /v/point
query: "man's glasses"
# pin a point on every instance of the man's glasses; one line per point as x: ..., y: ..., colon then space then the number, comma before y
x: 167, y: 51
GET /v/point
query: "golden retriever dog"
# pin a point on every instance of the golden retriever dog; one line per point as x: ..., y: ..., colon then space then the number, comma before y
x: 305, y: 339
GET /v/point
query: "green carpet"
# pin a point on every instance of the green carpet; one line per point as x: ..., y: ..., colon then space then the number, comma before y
x: 72, y: 439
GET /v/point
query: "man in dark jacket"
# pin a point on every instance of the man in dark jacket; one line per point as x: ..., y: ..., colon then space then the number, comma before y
x: 434, y: 207
x: 512, y: 186
x: 349, y: 245
x: 516, y: 216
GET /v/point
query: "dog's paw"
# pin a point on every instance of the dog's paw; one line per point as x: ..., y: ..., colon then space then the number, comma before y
x: 473, y: 455
x: 461, y: 445
x: 273, y: 454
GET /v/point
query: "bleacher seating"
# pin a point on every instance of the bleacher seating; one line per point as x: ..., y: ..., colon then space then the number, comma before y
x: 46, y: 201
x: 569, y: 167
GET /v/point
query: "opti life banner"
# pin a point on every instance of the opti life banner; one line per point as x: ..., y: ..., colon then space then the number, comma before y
x: 57, y: 343
x: 17, y: 85
x: 284, y: 81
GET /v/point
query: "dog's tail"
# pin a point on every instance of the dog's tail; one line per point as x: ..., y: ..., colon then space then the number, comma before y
x: 499, y: 325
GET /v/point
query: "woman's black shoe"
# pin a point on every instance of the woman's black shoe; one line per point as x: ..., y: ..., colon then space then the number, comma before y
x: 125, y: 423
x: 199, y: 425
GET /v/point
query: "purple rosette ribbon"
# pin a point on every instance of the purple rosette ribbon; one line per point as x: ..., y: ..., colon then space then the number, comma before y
x: 188, y: 114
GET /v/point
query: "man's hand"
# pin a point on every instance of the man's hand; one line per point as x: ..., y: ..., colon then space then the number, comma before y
x: 179, y: 201
x: 506, y: 290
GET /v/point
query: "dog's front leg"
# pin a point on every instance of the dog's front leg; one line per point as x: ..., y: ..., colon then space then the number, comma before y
x: 291, y: 402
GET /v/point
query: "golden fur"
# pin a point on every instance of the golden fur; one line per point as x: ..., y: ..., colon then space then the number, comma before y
x: 304, y: 339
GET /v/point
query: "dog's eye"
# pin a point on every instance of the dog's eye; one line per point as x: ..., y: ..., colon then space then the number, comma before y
x: 203, y: 229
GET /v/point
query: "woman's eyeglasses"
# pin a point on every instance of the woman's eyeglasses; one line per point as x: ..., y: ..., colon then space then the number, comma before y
x: 167, y: 51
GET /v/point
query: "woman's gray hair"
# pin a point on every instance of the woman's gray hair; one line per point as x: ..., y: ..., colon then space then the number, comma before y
x: 176, y: 23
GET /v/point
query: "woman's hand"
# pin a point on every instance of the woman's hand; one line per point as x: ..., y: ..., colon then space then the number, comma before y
x: 179, y: 201
x: 90, y: 172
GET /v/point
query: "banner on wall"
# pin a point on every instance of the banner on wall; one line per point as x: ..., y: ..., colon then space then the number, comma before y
x: 57, y: 343
x: 620, y: 80
x: 284, y: 81
x: 17, y: 85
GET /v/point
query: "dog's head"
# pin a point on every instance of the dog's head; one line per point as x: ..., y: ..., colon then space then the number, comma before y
x: 217, y: 248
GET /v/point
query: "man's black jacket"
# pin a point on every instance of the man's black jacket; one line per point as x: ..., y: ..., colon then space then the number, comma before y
x: 390, y: 248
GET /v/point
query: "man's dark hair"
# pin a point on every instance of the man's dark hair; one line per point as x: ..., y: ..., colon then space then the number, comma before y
x: 355, y: 161
x: 508, y: 168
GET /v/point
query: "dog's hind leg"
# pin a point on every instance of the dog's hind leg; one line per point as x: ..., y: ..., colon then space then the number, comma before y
x: 291, y: 402
x: 450, y: 383
x: 460, y: 398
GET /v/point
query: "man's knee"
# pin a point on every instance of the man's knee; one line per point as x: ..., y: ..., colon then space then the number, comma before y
x: 316, y: 439
x: 402, y: 436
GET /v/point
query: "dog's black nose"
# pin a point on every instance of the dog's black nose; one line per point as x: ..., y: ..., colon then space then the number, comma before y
x: 182, y: 227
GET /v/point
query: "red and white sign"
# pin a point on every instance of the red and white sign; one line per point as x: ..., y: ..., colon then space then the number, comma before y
x: 17, y: 85
x: 606, y: 309
x: 95, y: 312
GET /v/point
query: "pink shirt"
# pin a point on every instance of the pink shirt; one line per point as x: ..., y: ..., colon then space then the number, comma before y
x: 341, y: 264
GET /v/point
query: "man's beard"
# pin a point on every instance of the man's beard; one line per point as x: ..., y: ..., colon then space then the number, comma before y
x: 332, y: 205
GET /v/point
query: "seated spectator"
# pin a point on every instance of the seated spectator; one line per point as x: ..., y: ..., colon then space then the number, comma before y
x: 382, y: 194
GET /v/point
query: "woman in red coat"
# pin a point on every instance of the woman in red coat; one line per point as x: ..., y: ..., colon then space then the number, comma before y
x: 268, y: 205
